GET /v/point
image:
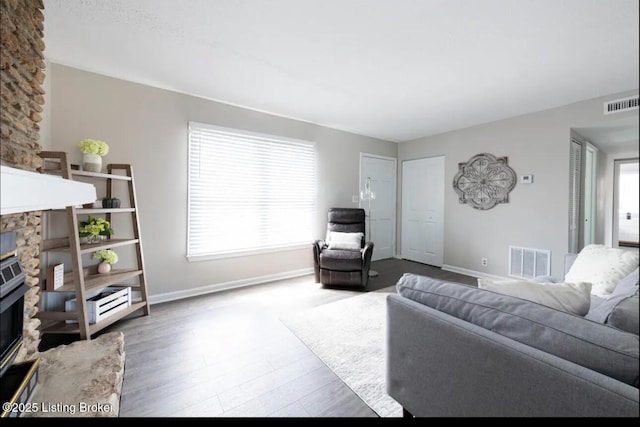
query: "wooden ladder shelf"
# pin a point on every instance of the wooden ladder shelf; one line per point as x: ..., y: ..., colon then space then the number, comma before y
x: 83, y: 282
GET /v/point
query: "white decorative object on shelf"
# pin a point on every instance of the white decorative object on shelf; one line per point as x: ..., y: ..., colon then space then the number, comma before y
x: 103, y: 305
x: 104, y: 268
x: 92, y: 152
x: 91, y: 162
x: 55, y: 277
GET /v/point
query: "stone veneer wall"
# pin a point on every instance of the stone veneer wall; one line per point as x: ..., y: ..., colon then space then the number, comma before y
x: 22, y: 98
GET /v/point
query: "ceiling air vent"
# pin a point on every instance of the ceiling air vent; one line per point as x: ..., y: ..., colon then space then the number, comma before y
x: 620, y: 105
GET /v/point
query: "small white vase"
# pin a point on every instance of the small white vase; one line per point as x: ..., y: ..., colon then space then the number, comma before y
x: 92, y: 162
x: 104, y: 268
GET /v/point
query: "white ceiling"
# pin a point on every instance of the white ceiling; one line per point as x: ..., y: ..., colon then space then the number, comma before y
x: 392, y: 69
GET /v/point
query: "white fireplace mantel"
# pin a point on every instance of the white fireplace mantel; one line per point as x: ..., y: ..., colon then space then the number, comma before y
x: 24, y: 191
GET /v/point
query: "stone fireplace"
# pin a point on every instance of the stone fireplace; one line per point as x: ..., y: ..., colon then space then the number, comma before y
x: 22, y: 96
x: 99, y: 362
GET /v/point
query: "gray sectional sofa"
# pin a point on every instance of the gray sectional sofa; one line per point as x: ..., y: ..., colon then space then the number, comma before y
x: 456, y: 350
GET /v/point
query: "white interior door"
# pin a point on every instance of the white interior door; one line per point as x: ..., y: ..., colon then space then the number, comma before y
x: 380, y: 173
x: 423, y: 210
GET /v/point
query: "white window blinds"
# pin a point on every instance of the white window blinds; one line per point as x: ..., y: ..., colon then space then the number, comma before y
x: 248, y: 192
x: 575, y: 174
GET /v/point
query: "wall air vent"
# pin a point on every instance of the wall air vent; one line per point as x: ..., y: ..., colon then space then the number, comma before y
x: 621, y: 105
x: 529, y: 263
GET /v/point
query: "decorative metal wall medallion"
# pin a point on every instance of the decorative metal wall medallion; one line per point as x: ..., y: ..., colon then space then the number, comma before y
x: 484, y: 181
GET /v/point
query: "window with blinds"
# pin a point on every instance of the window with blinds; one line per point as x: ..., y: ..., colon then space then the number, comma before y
x: 248, y: 193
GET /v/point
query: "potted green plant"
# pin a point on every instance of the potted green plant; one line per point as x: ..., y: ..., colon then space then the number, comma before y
x: 92, y: 152
x: 95, y: 229
x: 111, y: 202
x: 107, y: 258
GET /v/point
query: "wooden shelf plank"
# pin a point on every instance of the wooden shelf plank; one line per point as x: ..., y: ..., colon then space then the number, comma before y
x: 61, y: 328
x: 55, y: 244
x: 103, y: 210
x: 109, y: 243
x: 72, y: 328
x: 57, y: 315
x: 100, y: 175
x: 94, y: 282
x: 58, y: 245
x: 81, y: 211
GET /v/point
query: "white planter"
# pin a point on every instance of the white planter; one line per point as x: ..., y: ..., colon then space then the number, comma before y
x: 91, y: 162
x: 104, y: 268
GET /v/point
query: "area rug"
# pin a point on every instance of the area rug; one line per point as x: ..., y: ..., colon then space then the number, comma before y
x: 349, y: 337
x: 82, y: 379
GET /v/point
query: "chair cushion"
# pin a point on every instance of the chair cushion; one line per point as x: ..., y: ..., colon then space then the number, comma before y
x: 341, y: 260
x: 593, y: 345
x: 345, y: 241
x: 346, y: 215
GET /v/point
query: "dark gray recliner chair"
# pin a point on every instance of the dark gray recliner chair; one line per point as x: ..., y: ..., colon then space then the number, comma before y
x: 343, y: 267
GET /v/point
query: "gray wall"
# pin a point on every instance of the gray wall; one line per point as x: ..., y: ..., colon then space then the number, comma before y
x: 147, y: 127
x: 537, y: 214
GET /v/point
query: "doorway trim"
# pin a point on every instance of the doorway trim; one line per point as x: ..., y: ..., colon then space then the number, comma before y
x: 394, y: 197
x: 615, y: 224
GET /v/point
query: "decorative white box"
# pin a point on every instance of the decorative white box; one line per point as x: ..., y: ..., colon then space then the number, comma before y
x: 103, y: 305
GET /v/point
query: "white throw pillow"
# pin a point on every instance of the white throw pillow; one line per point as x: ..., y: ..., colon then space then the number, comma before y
x: 574, y: 298
x: 345, y: 241
x: 603, y: 267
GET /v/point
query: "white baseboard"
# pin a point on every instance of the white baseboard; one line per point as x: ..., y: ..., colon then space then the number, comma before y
x: 472, y: 273
x: 217, y: 287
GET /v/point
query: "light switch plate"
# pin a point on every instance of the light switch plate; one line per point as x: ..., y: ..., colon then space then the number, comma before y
x: 526, y: 179
x: 355, y: 199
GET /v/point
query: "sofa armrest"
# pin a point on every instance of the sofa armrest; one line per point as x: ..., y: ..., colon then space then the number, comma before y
x: 439, y: 365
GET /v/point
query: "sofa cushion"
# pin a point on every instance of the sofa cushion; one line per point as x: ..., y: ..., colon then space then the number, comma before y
x: 602, y: 266
x: 593, y: 345
x: 341, y: 260
x: 625, y: 315
x: 574, y: 298
x: 627, y: 287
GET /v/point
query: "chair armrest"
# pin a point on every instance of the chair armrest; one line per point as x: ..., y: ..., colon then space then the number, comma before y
x: 318, y: 246
x: 367, y: 251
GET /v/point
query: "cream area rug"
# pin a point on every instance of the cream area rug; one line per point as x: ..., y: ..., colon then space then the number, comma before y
x: 349, y: 337
x: 82, y: 379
